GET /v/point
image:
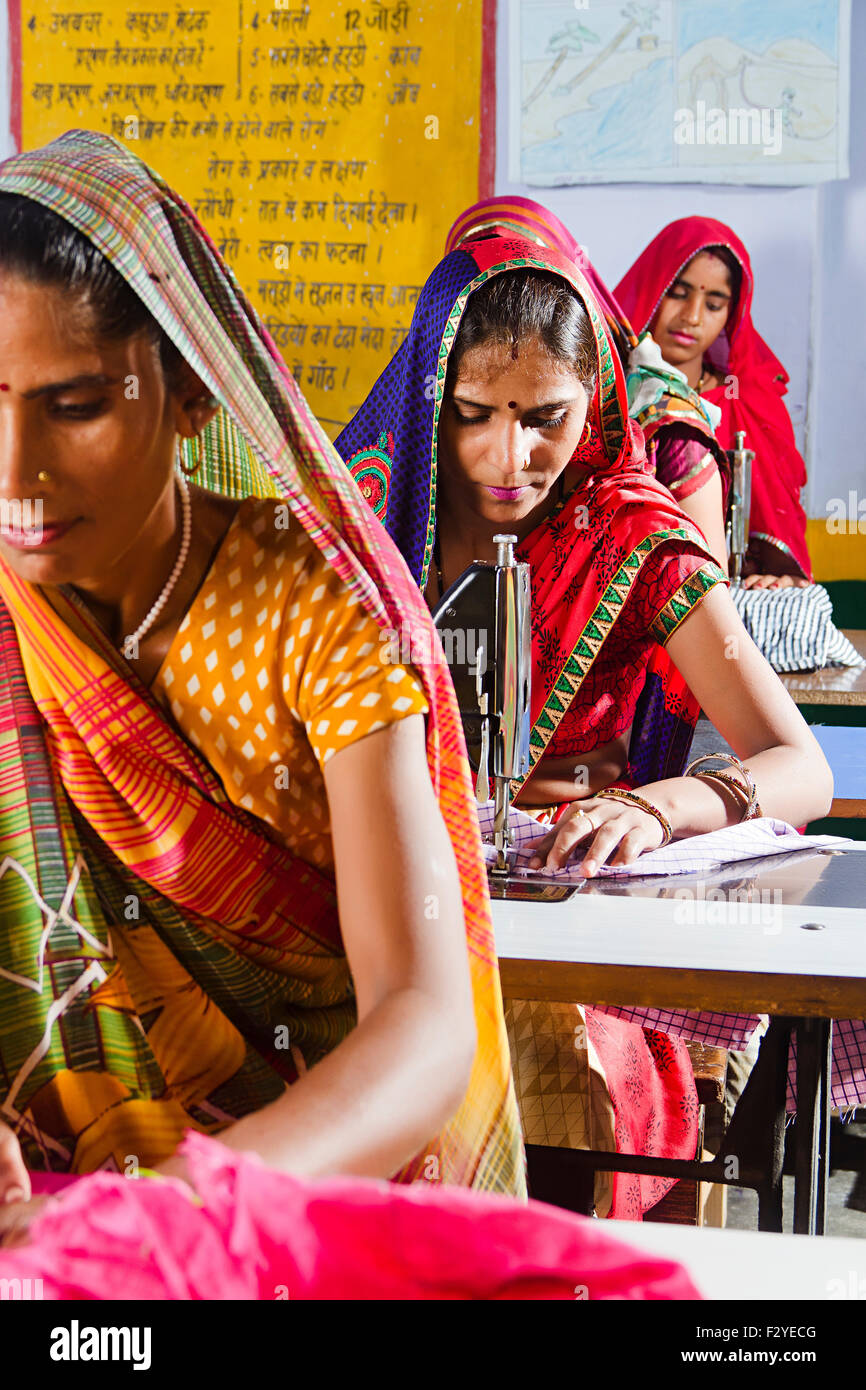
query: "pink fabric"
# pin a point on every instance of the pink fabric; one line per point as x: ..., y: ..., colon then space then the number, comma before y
x: 48, y: 1184
x: 257, y: 1234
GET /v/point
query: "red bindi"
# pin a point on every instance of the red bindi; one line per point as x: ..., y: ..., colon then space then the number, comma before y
x: 3, y: 386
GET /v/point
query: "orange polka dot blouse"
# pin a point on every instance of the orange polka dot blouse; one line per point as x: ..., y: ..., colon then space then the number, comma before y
x: 275, y: 668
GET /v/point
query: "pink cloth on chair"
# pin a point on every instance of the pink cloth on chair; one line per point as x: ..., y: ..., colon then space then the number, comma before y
x: 257, y: 1234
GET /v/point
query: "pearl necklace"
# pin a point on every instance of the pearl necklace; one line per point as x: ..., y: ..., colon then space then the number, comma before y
x: 129, y: 646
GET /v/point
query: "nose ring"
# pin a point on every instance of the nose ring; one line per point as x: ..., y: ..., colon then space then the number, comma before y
x: 526, y: 465
x: 43, y: 477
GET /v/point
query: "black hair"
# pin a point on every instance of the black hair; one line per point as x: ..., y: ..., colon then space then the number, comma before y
x: 44, y: 249
x: 519, y: 305
x: 734, y: 269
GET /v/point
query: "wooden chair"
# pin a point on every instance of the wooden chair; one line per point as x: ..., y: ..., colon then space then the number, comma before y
x: 684, y: 1204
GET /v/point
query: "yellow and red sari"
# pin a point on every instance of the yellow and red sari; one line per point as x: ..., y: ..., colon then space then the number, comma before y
x: 154, y: 936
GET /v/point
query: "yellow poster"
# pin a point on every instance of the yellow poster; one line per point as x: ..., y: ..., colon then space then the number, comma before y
x: 326, y: 145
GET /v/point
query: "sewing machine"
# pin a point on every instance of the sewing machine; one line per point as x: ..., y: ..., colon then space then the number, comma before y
x: 483, y: 622
x: 739, y: 506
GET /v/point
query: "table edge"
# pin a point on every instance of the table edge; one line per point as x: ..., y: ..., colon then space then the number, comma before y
x: 672, y: 987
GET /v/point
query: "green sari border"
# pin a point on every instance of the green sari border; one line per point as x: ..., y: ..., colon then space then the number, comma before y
x: 685, y: 599
x: 590, y: 642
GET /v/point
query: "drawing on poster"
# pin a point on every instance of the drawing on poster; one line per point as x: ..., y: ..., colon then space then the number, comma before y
x: 678, y: 91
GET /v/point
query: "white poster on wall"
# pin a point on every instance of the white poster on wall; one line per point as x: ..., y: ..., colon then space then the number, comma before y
x: 679, y: 91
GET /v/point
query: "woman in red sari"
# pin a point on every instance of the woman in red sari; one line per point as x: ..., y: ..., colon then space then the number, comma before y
x: 678, y: 426
x: 506, y: 410
x: 692, y: 287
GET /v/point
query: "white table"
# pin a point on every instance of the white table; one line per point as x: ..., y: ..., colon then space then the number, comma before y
x: 752, y: 1266
x: 621, y: 942
x: 633, y: 950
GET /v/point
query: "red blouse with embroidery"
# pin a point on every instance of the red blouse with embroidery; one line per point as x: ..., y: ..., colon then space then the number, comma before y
x: 605, y: 703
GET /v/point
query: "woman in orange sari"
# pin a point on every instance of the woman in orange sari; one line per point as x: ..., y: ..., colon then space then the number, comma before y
x: 192, y: 712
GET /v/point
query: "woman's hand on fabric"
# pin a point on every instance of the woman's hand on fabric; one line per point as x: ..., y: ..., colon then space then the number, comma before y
x: 611, y: 832
x: 16, y: 1218
x: 14, y: 1178
x: 17, y: 1206
x: 775, y: 581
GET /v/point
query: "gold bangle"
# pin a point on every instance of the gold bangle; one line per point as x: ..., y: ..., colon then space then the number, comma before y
x: 623, y: 794
x: 730, y: 781
x: 750, y: 791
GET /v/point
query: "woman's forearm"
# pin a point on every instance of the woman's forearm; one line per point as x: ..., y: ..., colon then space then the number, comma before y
x: 745, y: 700
x: 574, y: 778
x: 393, y: 1083
x: 370, y: 1104
x: 793, y: 784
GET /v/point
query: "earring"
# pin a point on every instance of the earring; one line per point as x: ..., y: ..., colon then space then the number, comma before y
x: 586, y: 436
x: 191, y: 472
x: 43, y: 477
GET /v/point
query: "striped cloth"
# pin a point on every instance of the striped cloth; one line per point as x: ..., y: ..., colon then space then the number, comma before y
x: 794, y: 628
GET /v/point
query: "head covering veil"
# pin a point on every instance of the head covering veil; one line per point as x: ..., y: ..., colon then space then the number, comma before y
x: 658, y: 396
x: 523, y: 217
x: 755, y: 382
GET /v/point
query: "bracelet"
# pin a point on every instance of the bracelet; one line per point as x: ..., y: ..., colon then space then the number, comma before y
x: 731, y: 782
x: 751, y: 809
x: 622, y: 794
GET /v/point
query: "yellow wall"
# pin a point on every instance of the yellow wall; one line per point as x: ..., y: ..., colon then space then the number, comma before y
x: 326, y: 149
x: 835, y: 555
